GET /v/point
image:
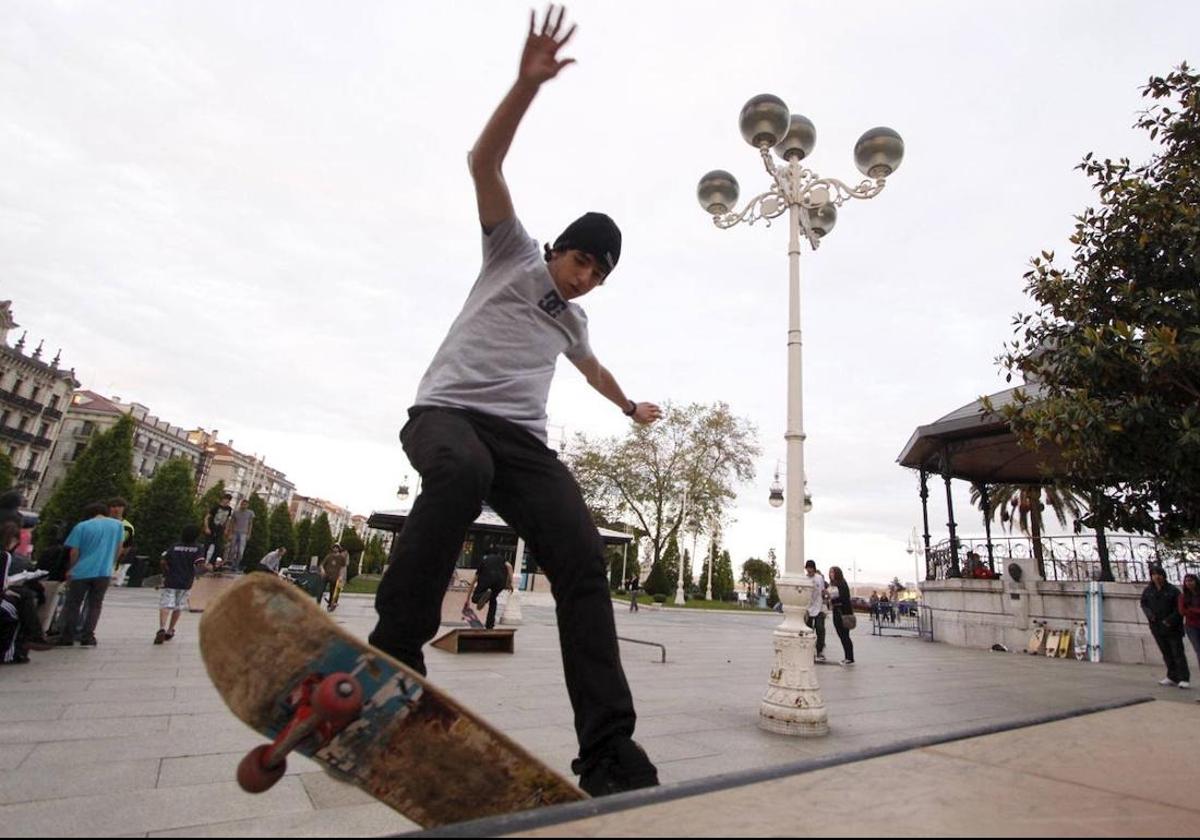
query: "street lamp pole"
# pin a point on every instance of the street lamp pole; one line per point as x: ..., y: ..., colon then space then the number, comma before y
x: 680, y: 599
x: 792, y: 704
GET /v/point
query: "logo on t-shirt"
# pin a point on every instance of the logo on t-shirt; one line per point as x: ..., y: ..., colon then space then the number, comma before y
x: 552, y: 304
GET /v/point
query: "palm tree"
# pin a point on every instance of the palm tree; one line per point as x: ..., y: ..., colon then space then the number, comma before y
x: 1022, y: 505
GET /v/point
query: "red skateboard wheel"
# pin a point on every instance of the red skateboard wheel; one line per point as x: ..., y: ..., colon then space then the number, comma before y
x: 338, y: 698
x: 253, y: 774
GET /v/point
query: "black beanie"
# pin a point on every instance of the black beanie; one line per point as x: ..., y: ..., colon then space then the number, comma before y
x: 595, y: 234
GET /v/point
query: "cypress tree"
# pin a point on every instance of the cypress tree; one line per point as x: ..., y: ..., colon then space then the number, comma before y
x: 103, y: 470
x: 353, y: 544
x: 281, y: 532
x: 161, y: 508
x: 303, y: 537
x: 260, y: 532
x: 320, y: 540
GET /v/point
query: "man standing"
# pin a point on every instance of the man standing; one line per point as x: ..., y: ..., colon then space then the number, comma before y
x: 243, y: 524
x: 215, y: 524
x: 332, y: 568
x: 815, y: 617
x: 1160, y: 603
x: 94, y: 544
x: 477, y: 432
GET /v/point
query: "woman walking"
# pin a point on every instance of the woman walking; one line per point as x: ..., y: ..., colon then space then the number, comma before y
x: 843, y: 611
x: 1189, y: 608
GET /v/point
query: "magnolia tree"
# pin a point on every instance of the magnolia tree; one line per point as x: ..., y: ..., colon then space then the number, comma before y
x: 1115, y: 339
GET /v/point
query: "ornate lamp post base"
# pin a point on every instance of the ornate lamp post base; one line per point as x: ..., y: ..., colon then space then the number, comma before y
x: 793, y: 703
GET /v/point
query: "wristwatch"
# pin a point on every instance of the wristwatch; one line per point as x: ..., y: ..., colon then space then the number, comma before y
x: 629, y: 412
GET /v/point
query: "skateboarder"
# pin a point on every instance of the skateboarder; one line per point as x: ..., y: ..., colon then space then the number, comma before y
x: 493, y: 576
x: 477, y: 432
x: 332, y: 569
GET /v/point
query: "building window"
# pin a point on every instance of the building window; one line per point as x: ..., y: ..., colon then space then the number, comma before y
x: 16, y: 389
x: 4, y: 418
x: 45, y: 430
x: 54, y: 402
x: 88, y: 428
x: 24, y: 422
x: 33, y: 395
x: 79, y: 447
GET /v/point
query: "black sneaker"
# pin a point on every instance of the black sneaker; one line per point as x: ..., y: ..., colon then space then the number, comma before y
x: 170, y: 635
x: 482, y: 597
x: 160, y: 637
x: 90, y: 641
x: 621, y: 766
x: 63, y: 641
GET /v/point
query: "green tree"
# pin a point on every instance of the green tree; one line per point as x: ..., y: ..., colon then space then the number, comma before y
x: 353, y: 544
x: 162, y: 508
x: 699, y: 451
x: 622, y: 559
x: 210, y: 499
x: 304, y: 540
x: 722, y: 573
x: 374, y: 557
x: 320, y: 541
x: 1111, y: 355
x: 260, y: 532
x: 6, y: 472
x: 758, y: 574
x: 664, y: 573
x: 281, y: 532
x: 103, y: 470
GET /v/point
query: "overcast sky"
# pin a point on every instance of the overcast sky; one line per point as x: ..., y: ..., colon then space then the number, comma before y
x: 257, y: 217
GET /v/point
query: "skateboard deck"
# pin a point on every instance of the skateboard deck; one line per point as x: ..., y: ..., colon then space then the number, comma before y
x: 1037, y: 642
x: 1080, y: 641
x: 472, y: 618
x: 1052, y: 637
x: 286, y: 669
x: 336, y: 594
x: 1065, y: 639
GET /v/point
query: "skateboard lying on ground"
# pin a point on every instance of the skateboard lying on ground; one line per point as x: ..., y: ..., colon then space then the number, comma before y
x: 472, y: 618
x: 287, y: 670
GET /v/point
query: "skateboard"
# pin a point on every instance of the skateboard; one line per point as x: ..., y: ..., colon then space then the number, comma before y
x: 286, y: 669
x: 1052, y: 642
x: 1065, y: 640
x: 1037, y: 642
x: 1080, y: 640
x: 336, y: 594
x: 472, y: 618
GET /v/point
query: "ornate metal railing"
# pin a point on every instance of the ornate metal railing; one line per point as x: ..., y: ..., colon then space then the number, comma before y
x: 1072, y: 558
x: 19, y: 401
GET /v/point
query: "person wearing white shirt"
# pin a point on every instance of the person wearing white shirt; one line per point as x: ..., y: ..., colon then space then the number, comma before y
x: 816, y: 608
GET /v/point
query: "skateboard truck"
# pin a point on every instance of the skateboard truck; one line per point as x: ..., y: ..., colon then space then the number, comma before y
x: 322, y: 706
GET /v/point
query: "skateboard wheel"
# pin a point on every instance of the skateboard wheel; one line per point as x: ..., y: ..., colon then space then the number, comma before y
x: 253, y: 774
x: 338, y: 698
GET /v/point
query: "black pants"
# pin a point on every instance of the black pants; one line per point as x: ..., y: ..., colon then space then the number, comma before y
x: 1171, y: 644
x: 93, y: 589
x: 465, y: 458
x: 843, y: 634
x: 817, y: 623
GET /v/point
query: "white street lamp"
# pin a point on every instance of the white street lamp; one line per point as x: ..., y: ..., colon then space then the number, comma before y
x: 793, y: 703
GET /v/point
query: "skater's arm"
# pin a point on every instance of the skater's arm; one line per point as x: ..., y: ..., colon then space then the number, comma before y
x: 599, y: 377
x: 539, y: 64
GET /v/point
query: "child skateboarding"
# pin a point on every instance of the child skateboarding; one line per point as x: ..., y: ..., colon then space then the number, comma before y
x: 477, y: 432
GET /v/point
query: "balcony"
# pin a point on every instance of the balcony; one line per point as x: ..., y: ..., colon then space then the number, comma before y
x: 40, y: 442
x: 16, y: 434
x: 20, y: 402
x: 52, y: 413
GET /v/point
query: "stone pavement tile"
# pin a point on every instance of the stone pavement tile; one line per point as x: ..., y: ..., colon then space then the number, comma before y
x: 374, y: 820
x: 98, y: 750
x: 220, y: 719
x: 155, y: 708
x: 40, y: 732
x: 328, y: 792
x: 220, y: 767
x: 139, y: 811
x: 11, y: 755
x: 78, y: 780
x: 27, y: 707
x: 1093, y: 750
x: 911, y: 794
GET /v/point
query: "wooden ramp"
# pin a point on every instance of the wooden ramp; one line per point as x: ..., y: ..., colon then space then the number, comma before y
x: 1086, y: 772
x: 470, y: 640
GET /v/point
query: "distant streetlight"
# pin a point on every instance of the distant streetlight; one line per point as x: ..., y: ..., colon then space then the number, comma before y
x: 793, y: 703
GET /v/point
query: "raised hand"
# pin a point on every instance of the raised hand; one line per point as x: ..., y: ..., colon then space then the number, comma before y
x: 539, y: 60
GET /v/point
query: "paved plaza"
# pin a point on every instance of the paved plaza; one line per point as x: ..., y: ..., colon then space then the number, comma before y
x: 130, y: 739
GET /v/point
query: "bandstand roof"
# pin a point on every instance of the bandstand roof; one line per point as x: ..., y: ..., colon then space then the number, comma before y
x: 980, y: 447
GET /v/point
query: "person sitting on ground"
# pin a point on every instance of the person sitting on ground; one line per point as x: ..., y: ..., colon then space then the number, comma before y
x: 179, y: 573
x: 272, y: 560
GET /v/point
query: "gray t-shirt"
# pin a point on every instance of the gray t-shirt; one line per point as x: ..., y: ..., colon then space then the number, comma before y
x: 499, y: 355
x: 242, y: 520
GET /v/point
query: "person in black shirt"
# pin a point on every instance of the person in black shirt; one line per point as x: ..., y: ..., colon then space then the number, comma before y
x: 179, y: 572
x: 1160, y: 603
x: 492, y: 576
x: 215, y: 525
